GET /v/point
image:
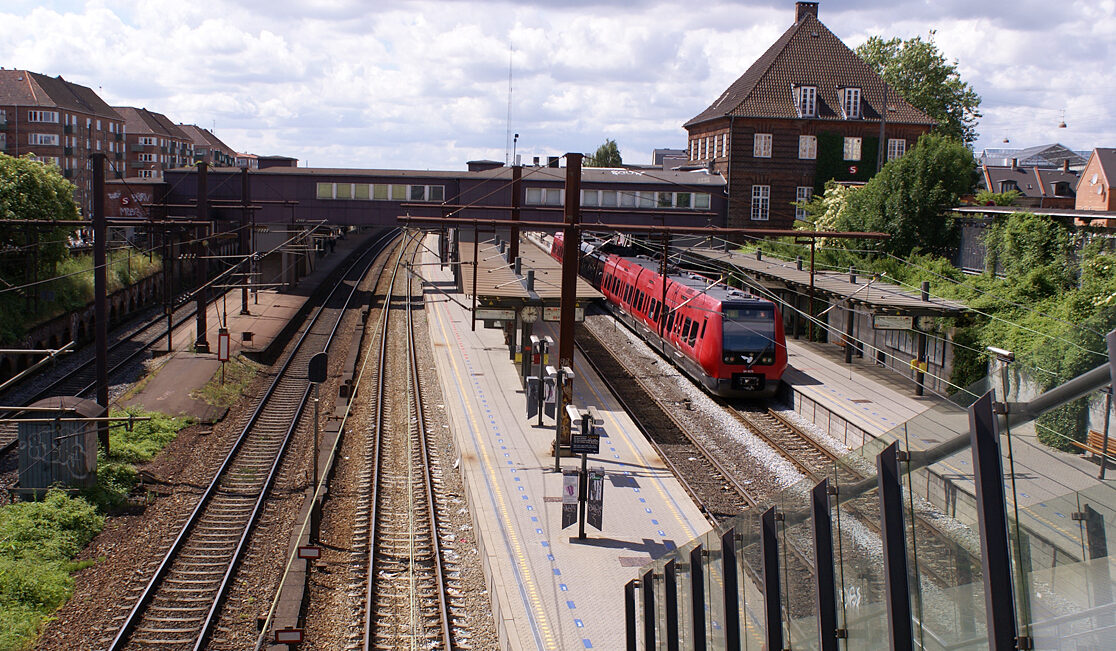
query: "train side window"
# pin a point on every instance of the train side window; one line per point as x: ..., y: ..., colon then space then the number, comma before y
x: 693, y: 333
x: 703, y: 327
x: 670, y: 322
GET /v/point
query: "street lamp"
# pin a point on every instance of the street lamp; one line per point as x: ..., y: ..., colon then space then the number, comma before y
x: 515, y: 141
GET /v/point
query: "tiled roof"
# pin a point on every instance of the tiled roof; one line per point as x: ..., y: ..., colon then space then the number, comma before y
x: 143, y: 121
x: 204, y: 137
x: 1032, y: 181
x: 808, y: 54
x: 1107, y: 158
x: 24, y: 88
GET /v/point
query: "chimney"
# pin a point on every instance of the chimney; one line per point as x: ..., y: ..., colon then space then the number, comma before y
x: 803, y: 8
x: 1065, y: 165
x: 1014, y: 163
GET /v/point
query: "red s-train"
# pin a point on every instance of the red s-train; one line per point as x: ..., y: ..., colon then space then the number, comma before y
x: 728, y: 341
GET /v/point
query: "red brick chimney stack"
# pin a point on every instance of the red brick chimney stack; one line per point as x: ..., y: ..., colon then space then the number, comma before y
x: 803, y: 8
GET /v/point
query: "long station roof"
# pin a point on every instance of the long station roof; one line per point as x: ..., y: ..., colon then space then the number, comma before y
x: 879, y: 297
x: 497, y: 280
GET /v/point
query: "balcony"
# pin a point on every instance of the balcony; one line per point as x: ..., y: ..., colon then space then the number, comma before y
x: 119, y: 136
x: 118, y: 155
x: 69, y: 151
x: 68, y: 129
x: 135, y: 148
x: 68, y: 174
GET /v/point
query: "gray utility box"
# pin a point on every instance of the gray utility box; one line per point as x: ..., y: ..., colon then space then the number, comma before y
x: 59, y: 452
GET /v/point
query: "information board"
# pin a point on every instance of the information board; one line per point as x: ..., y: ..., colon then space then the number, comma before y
x: 594, y: 514
x: 569, y: 498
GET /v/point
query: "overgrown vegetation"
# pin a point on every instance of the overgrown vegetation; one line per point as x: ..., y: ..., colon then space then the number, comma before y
x: 30, y: 190
x: 223, y: 391
x: 38, y: 540
x: 1051, y: 300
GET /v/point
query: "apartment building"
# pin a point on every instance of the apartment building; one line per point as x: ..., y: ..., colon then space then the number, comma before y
x: 208, y: 147
x: 59, y: 123
x: 155, y: 144
x: 807, y: 111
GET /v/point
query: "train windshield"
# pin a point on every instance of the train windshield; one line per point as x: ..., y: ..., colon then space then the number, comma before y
x: 748, y: 334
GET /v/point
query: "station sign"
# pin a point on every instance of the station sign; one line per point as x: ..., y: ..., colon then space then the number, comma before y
x: 288, y: 636
x: 555, y: 314
x: 495, y: 314
x: 892, y: 322
x: 309, y: 552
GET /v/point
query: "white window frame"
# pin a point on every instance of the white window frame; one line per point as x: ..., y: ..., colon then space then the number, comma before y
x: 709, y: 147
x: 43, y: 116
x: 807, y: 147
x: 806, y: 101
x: 724, y: 144
x: 761, y: 203
x: 44, y: 139
x: 896, y: 147
x: 693, y: 149
x: 853, y: 148
x: 147, y: 141
x: 761, y: 145
x: 850, y: 103
x: 802, y: 193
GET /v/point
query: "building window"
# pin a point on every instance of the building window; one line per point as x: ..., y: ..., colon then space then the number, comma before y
x: 436, y: 193
x: 852, y: 148
x: 693, y: 149
x: 98, y: 125
x: 850, y: 104
x: 808, y: 147
x: 360, y: 191
x: 544, y: 197
x: 709, y: 146
x: 761, y: 202
x: 666, y: 200
x: 682, y: 200
x: 806, y: 101
x: 146, y: 140
x: 150, y: 174
x: 325, y: 190
x: 724, y: 144
x: 608, y: 198
x: 761, y: 147
x: 896, y: 147
x: 42, y: 139
x: 42, y: 116
x: 398, y: 193
x: 701, y: 201
x: 702, y: 155
x: 802, y: 194
x: 628, y: 199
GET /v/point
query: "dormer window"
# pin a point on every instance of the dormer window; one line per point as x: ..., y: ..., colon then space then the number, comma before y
x: 1009, y: 186
x: 850, y: 103
x: 806, y: 101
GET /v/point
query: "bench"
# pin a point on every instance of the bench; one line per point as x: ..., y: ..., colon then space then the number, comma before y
x: 1094, y: 444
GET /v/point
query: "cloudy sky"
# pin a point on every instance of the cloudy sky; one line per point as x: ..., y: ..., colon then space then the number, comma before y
x: 425, y: 85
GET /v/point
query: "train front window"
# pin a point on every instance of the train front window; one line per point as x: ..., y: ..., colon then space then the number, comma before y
x: 748, y: 335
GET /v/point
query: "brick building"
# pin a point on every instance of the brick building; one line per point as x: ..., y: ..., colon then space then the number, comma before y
x: 60, y: 123
x: 1094, y: 190
x: 807, y: 111
x: 208, y: 147
x: 155, y: 144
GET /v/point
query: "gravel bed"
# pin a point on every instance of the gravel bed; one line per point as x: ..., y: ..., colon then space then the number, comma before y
x: 762, y: 470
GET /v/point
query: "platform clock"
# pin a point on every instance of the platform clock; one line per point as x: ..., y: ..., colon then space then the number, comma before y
x: 529, y: 313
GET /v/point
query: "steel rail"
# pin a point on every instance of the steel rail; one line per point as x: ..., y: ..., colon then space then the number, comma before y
x: 377, y: 462
x: 729, y: 477
x: 133, y: 617
x: 435, y: 539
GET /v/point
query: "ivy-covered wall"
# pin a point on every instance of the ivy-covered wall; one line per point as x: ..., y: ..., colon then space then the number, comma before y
x: 831, y: 163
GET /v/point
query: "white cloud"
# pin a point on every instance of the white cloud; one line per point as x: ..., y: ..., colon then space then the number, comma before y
x: 425, y: 84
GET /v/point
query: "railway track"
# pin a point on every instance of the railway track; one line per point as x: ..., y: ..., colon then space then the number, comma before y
x: 179, y: 605
x: 131, y: 343
x: 407, y: 602
x: 715, y: 489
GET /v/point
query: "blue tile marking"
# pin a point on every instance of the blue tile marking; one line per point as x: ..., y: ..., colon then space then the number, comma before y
x: 562, y: 587
x: 647, y: 510
x: 642, y: 500
x: 655, y: 522
x: 526, y: 498
x: 537, y: 530
x: 570, y: 605
x: 531, y: 508
x: 557, y: 572
x: 545, y: 543
x: 534, y: 518
x: 550, y: 557
x: 587, y: 643
x: 661, y: 533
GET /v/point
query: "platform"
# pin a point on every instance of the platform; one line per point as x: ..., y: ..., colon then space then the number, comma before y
x: 175, y: 376
x: 856, y: 402
x: 549, y: 590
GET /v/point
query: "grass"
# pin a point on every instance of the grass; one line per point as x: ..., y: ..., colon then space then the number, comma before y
x: 38, y: 540
x: 238, y: 374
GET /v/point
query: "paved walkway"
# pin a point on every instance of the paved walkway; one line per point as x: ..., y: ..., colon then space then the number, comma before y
x: 549, y: 590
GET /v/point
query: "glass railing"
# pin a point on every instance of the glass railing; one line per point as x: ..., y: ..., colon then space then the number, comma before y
x: 1063, y: 583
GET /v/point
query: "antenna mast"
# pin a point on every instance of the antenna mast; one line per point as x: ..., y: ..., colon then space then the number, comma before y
x: 507, y: 135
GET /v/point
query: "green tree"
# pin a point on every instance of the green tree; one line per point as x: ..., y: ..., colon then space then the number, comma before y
x: 30, y: 190
x: 607, y: 155
x: 922, y: 75
x: 910, y: 197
